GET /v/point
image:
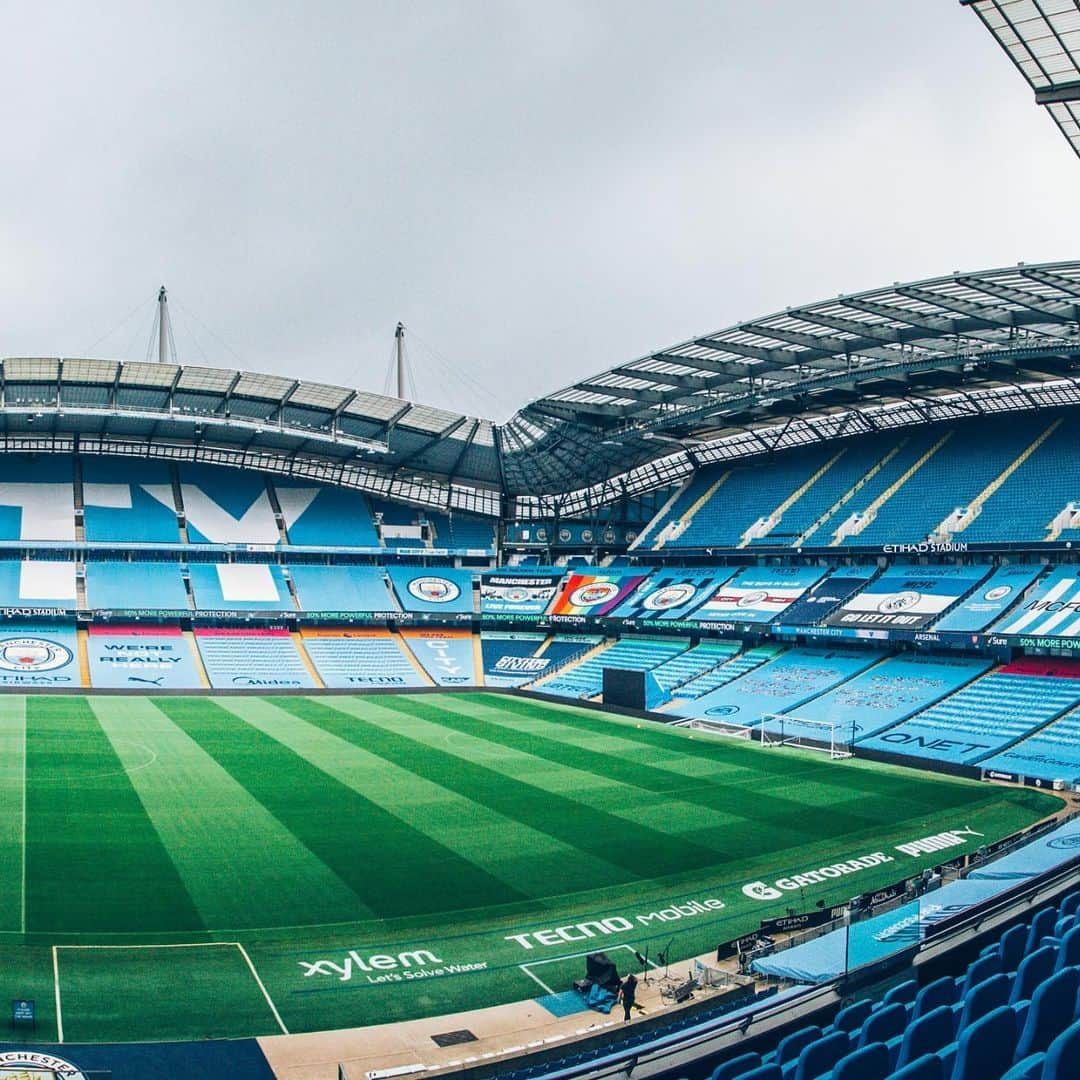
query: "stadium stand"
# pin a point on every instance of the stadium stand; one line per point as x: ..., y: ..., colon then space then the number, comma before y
x: 140, y: 658
x: 729, y: 670
x: 629, y: 653
x: 239, y: 587
x: 1051, y: 608
x: 889, y: 692
x: 124, y: 586
x: 333, y: 518
x: 37, y: 583
x: 440, y: 589
x: 448, y: 656
x: 37, y: 498
x: 461, y: 531
x: 251, y: 658
x: 564, y: 649
x: 1052, y: 753
x: 986, y: 603
x: 510, y: 658
x: 227, y: 506
x: 987, y: 715
x: 361, y: 659
x: 790, y: 679
x: 341, y: 588
x: 128, y: 501
x: 818, y: 602
x: 693, y: 664
x: 41, y: 654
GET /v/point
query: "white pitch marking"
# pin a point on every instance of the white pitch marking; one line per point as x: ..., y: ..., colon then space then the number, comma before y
x: 56, y: 985
x: 22, y: 906
x: 269, y: 1000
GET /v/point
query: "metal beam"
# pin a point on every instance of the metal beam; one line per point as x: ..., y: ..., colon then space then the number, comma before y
x: 1053, y: 310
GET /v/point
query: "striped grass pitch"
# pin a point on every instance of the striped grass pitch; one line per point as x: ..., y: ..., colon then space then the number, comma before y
x: 334, y: 861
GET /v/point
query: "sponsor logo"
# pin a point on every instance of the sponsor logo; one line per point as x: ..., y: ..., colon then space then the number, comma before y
x: 250, y: 680
x: 752, y: 599
x: 522, y: 663
x: 938, y: 842
x: 596, y: 592
x: 924, y: 548
x: 668, y: 597
x: 32, y: 1063
x: 722, y: 710
x: 387, y: 968
x: 433, y: 590
x: 32, y: 654
x: 998, y: 593
x: 1065, y: 843
x: 564, y: 535
x: 759, y: 890
x: 900, y: 601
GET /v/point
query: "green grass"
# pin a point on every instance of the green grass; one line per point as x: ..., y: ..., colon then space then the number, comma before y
x: 391, y: 856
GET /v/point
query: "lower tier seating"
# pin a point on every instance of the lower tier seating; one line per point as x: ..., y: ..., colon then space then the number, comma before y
x: 252, y: 659
x: 631, y: 653
x: 361, y: 659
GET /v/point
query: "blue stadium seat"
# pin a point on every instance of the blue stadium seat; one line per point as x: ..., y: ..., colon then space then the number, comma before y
x: 928, y: 1067
x: 869, y: 1062
x: 979, y: 970
x: 729, y: 1070
x: 1035, y: 968
x: 927, y: 1035
x: 821, y: 1055
x: 885, y: 1024
x: 1070, y: 905
x: 904, y: 993
x: 984, y: 1047
x: 1053, y: 1007
x: 1041, y: 926
x: 1068, y: 954
x: 940, y: 992
x: 982, y: 998
x: 1064, y: 1053
x: 791, y: 1046
x: 1010, y: 947
x: 764, y: 1072
x: 851, y: 1017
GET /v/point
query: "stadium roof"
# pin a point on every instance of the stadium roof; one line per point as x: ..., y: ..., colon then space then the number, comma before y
x: 1042, y: 38
x: 965, y: 345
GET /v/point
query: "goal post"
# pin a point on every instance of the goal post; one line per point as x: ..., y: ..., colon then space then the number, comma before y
x: 827, y: 736
x: 720, y: 727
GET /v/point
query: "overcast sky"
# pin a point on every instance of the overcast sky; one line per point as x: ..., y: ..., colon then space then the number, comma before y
x: 538, y: 191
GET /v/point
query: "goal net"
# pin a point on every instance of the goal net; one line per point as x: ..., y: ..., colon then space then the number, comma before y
x: 776, y: 729
x: 720, y: 727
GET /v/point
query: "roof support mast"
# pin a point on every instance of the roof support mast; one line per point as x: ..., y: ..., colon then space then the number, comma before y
x: 163, y: 326
x: 399, y: 360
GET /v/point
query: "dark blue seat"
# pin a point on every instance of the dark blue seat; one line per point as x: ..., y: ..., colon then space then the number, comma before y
x: 927, y: 1067
x: 1063, y: 924
x: 990, y: 994
x: 1011, y: 948
x: 791, y: 1046
x: 1036, y: 968
x: 1070, y: 905
x: 867, y: 1063
x: 764, y: 1072
x: 736, y: 1067
x: 1064, y: 1053
x: 1053, y: 1006
x: 1041, y: 925
x: 1068, y: 954
x: 928, y: 1035
x: 903, y: 994
x: 979, y: 970
x: 933, y: 995
x: 821, y: 1055
x: 851, y: 1017
x: 986, y: 1047
x: 884, y: 1024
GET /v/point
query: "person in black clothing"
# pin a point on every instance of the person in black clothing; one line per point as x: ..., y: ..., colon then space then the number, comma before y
x: 627, y: 991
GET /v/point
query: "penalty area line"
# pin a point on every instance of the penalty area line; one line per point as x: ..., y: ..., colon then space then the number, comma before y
x: 536, y: 979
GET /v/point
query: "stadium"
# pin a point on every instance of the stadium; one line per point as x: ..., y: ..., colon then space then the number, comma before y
x: 344, y: 735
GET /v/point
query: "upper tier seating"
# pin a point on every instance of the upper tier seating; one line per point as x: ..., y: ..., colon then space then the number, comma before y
x: 239, y: 587
x: 251, y: 659
x: 440, y: 589
x: 361, y: 659
x: 983, y: 717
x: 37, y: 497
x: 228, y: 506
x: 128, y: 501
x: 333, y: 518
x: 1050, y: 754
x: 122, y: 586
x: 38, y: 583
x: 341, y: 588
x: 630, y: 653
x: 461, y: 530
x: 739, y: 664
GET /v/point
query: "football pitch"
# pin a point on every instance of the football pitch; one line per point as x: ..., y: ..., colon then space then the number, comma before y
x: 190, y: 867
